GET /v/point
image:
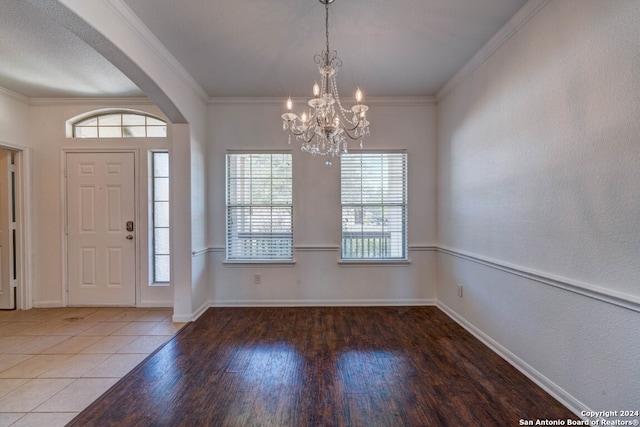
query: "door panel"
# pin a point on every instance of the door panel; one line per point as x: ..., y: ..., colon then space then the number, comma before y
x: 101, y: 253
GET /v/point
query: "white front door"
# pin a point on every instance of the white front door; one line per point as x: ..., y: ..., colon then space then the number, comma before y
x: 7, y: 299
x: 101, y: 249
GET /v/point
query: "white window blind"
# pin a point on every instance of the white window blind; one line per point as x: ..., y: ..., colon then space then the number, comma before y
x: 374, y: 205
x: 259, y: 206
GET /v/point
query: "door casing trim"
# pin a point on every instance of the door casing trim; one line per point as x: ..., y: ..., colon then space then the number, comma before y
x: 22, y: 164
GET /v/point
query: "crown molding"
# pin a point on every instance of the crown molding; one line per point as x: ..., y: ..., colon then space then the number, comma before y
x: 131, y: 20
x: 517, y: 21
x: 14, y: 95
x: 109, y: 102
x: 106, y: 101
x: 402, y: 100
x: 391, y: 101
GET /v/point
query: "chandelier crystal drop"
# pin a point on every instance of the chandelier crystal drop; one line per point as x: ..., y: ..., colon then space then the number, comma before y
x: 326, y: 128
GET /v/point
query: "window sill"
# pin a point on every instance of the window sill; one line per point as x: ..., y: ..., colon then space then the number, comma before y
x: 374, y: 262
x: 263, y: 262
x: 160, y: 284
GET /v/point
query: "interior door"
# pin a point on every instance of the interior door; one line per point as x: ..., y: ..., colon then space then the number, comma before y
x: 7, y: 299
x: 101, y: 250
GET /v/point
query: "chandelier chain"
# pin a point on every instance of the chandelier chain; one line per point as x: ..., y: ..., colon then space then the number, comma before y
x: 326, y: 28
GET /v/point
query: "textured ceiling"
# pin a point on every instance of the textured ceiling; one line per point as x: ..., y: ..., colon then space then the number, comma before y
x: 41, y: 59
x: 266, y: 48
x: 261, y: 48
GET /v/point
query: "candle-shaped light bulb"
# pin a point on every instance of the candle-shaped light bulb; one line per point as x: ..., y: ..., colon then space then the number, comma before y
x: 358, y: 96
x: 289, y: 104
x: 304, y: 117
x: 316, y: 90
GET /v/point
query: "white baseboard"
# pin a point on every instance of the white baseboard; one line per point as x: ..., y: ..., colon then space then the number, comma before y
x: 301, y: 303
x: 143, y: 304
x: 180, y: 318
x: 543, y: 382
x: 155, y: 304
x: 321, y: 303
x: 47, y: 304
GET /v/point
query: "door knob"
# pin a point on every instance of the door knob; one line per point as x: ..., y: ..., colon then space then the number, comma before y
x: 129, y: 236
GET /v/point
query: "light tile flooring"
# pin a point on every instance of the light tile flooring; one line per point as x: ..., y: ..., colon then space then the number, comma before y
x: 55, y: 362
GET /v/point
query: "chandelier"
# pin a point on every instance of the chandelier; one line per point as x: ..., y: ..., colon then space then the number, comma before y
x: 326, y: 128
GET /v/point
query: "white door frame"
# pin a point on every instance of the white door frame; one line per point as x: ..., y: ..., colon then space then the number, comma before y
x: 63, y: 195
x: 22, y: 172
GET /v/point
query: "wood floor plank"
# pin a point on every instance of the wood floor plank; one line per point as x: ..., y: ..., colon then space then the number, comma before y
x: 323, y: 366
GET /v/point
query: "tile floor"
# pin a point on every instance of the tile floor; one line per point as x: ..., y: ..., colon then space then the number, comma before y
x: 54, y: 362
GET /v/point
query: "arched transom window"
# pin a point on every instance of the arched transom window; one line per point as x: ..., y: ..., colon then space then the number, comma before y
x: 120, y: 125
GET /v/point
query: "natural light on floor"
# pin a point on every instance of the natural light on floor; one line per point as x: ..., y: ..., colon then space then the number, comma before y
x: 55, y: 362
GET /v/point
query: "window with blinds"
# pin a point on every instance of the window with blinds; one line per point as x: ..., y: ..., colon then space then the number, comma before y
x: 259, y: 206
x: 374, y: 205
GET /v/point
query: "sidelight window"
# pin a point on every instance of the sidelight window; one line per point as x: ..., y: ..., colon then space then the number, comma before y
x: 160, y: 245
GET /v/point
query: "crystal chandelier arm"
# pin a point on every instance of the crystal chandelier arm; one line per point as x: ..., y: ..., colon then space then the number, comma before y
x: 290, y: 123
x: 297, y: 131
x: 355, y: 126
x: 311, y: 135
x: 348, y: 131
x: 304, y: 135
x: 303, y: 130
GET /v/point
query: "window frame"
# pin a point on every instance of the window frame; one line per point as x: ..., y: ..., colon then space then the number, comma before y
x: 152, y: 216
x: 389, y: 260
x: 258, y: 259
x: 121, y: 125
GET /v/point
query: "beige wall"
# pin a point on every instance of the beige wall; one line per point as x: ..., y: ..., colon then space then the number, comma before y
x: 14, y: 119
x: 49, y: 141
x: 317, y: 278
x: 538, y: 200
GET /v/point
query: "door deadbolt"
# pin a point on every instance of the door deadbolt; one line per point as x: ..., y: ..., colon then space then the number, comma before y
x: 129, y: 225
x: 130, y: 237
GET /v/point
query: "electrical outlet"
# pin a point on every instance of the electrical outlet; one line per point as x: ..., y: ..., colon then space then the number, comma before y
x: 459, y: 290
x: 257, y: 279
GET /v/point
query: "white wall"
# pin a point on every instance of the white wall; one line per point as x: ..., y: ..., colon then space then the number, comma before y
x: 114, y: 31
x: 48, y: 138
x: 14, y: 119
x: 316, y: 278
x: 539, y: 201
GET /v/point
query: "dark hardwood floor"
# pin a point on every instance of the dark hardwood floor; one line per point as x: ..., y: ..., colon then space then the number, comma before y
x: 323, y: 366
